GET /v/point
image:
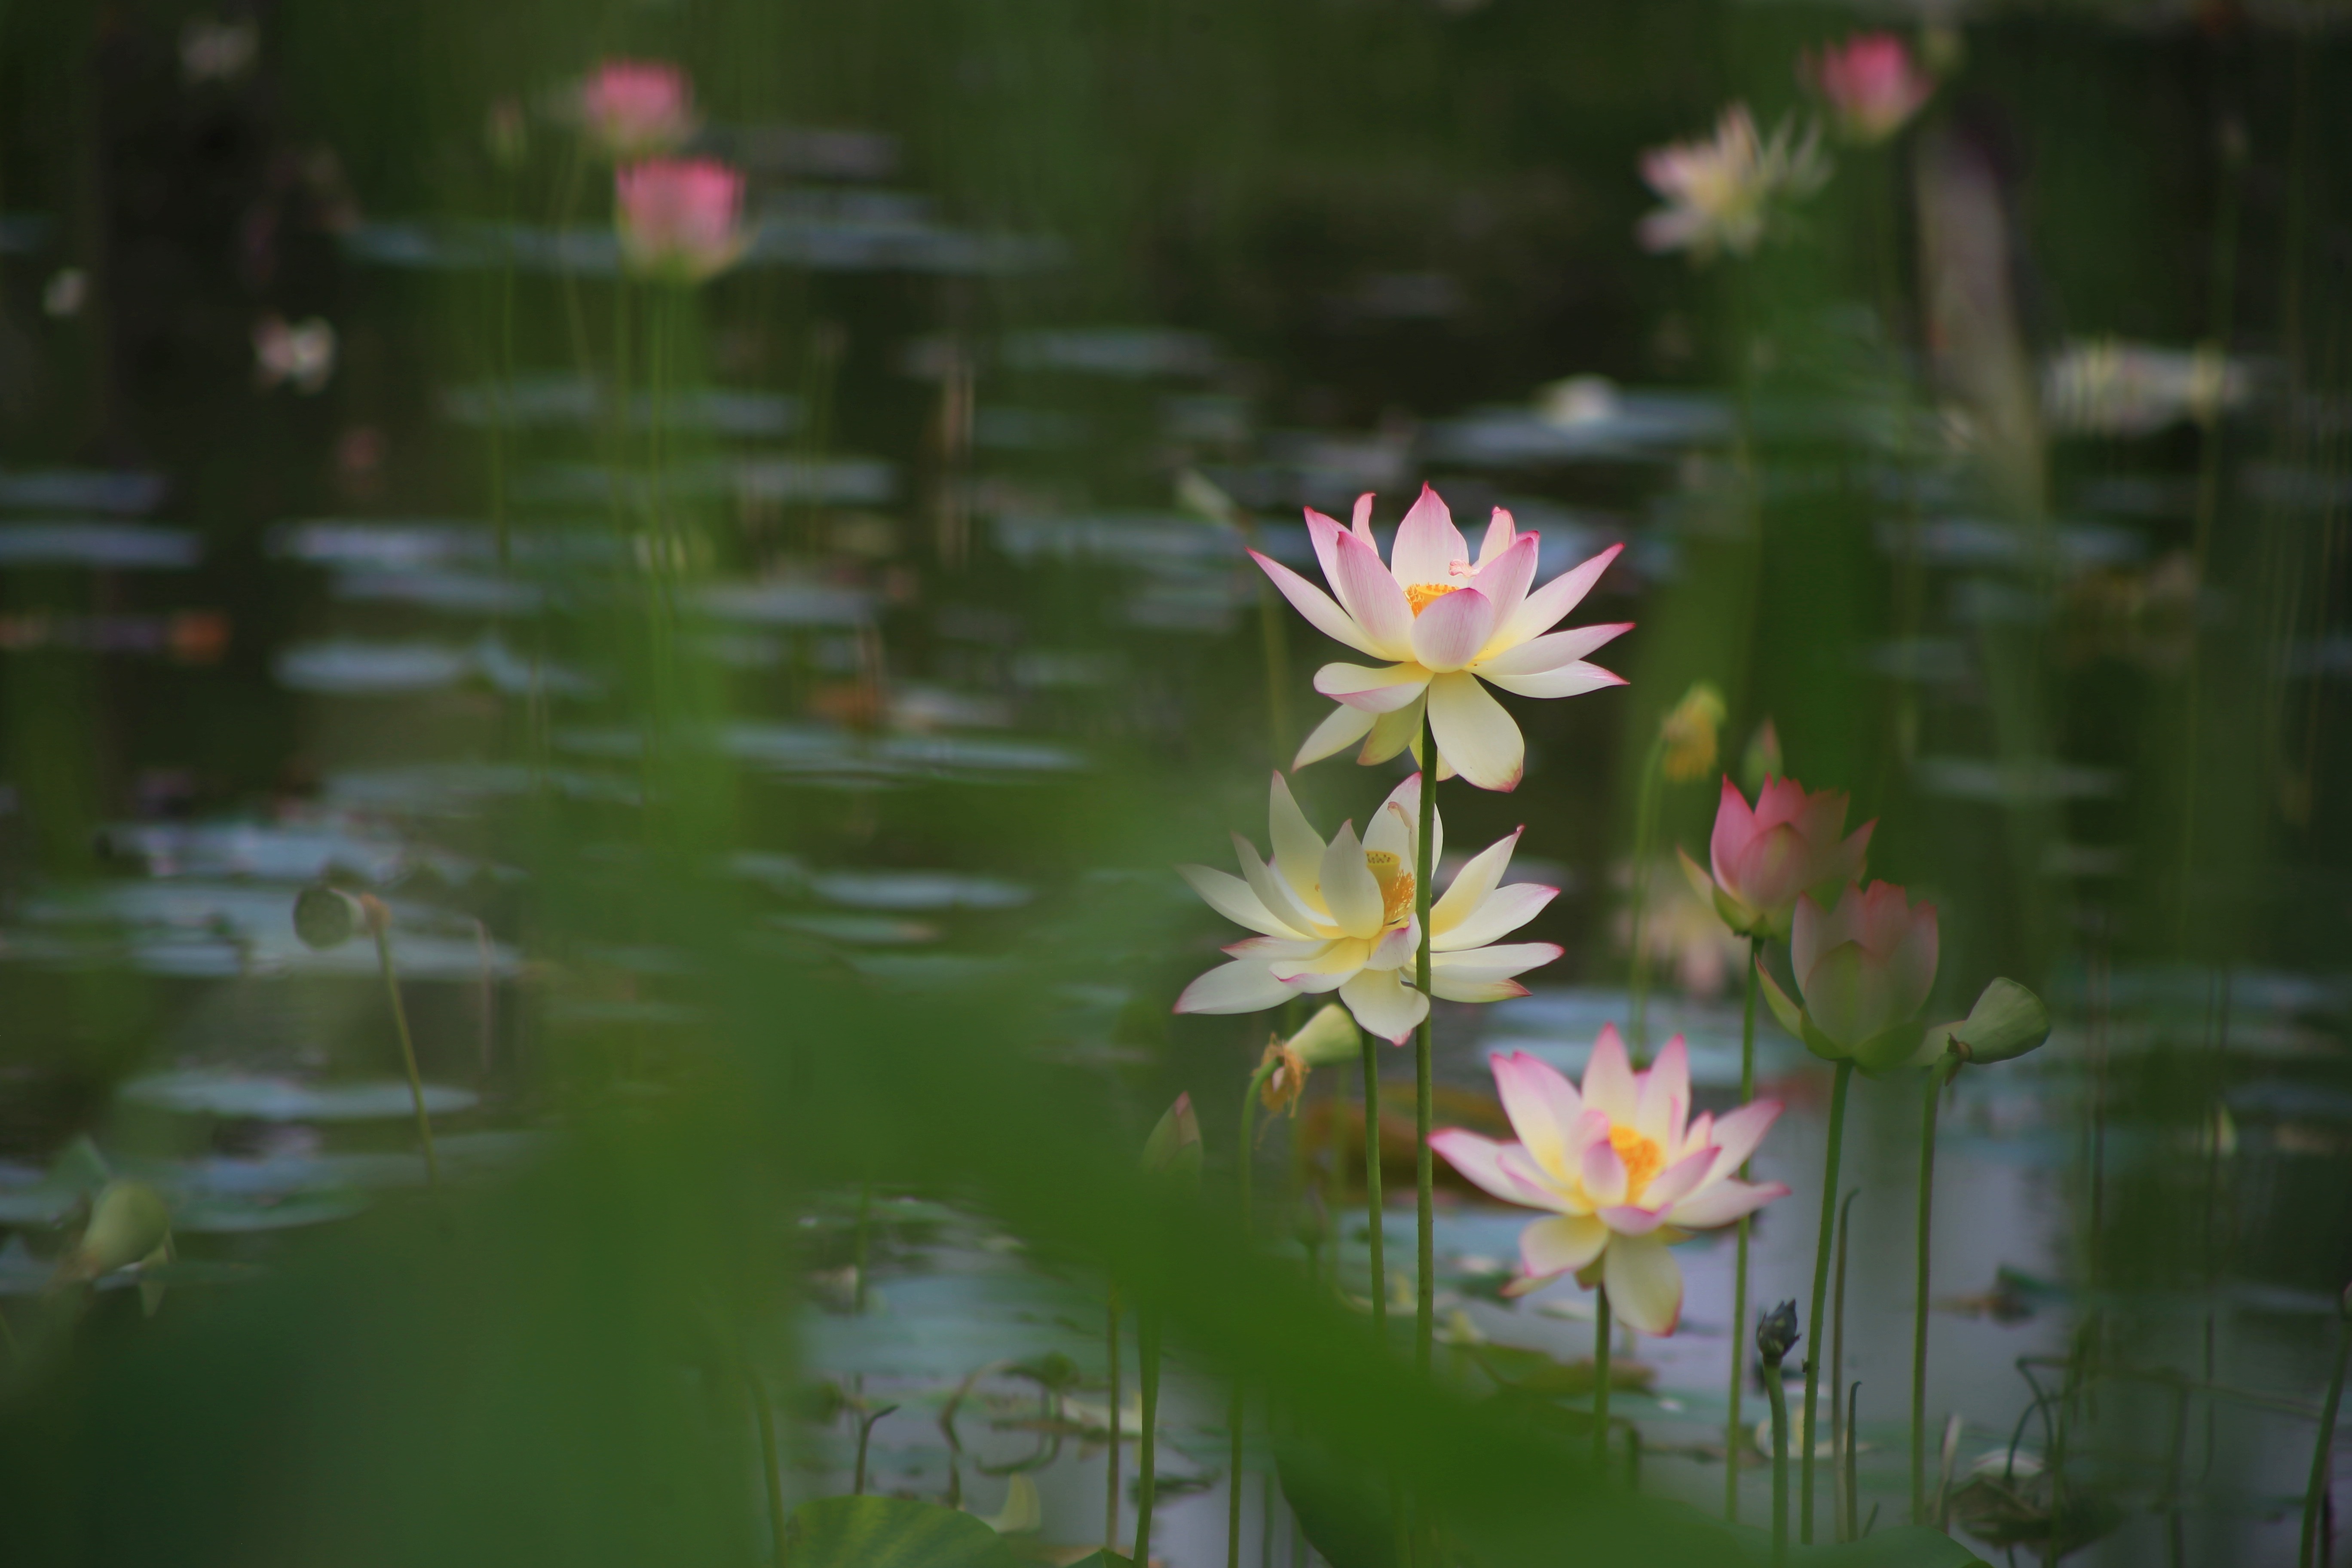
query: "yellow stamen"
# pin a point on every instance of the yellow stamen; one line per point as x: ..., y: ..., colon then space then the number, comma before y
x: 1642, y: 1157
x: 1396, y: 885
x: 1420, y: 595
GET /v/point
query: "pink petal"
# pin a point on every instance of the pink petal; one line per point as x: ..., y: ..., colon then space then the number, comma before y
x: 1735, y: 824
x: 1679, y: 1180
x: 1505, y: 578
x: 1737, y: 1133
x: 1663, y: 1101
x: 1452, y: 628
x: 1315, y: 604
x: 1722, y: 1203
x: 1604, y: 1174
x: 1479, y: 1161
x: 1369, y: 594
x: 1427, y: 542
x: 1608, y: 1085
x: 1548, y: 606
x: 1501, y: 534
x: 1551, y: 650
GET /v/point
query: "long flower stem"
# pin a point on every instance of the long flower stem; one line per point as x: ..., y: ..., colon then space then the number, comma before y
x: 771, y: 1462
x: 1937, y: 1076
x: 1147, y: 1355
x: 382, y: 927
x: 1424, y: 1313
x: 1117, y: 1421
x: 1234, y: 1409
x: 1373, y: 1203
x: 1646, y: 828
x: 1841, y: 1429
x: 1600, y: 1335
x: 1821, y: 1301
x: 1735, y: 1430
x: 1780, y: 1398
x: 2317, y: 1493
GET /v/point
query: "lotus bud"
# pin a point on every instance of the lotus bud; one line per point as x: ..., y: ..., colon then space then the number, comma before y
x: 1761, y: 761
x: 327, y: 917
x: 2008, y: 1021
x: 129, y: 1223
x: 1777, y: 1333
x: 1282, y: 1078
x: 1174, y: 1147
x: 1329, y: 1039
x: 1690, y: 731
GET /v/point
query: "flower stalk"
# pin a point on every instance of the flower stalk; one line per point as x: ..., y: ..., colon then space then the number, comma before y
x: 1735, y: 1431
x: 1931, y: 1094
x: 1424, y: 1097
x: 1841, y: 1424
x: 2316, y: 1496
x: 1821, y: 1295
x: 379, y: 920
x: 1776, y: 1332
x: 1602, y: 1331
x: 1117, y: 1421
x: 1147, y: 1356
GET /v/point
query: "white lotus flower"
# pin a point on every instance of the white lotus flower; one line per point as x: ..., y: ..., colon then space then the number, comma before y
x: 1449, y: 627
x: 1340, y: 917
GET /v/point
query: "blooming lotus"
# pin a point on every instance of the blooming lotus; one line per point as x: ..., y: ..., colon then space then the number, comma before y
x: 1863, y: 968
x: 1722, y: 193
x: 1623, y: 1166
x: 632, y: 108
x: 680, y: 220
x: 1764, y: 858
x: 1871, y: 85
x: 1446, y: 627
x: 1340, y: 917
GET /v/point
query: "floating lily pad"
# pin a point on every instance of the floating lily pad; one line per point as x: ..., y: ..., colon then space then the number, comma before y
x: 207, y: 1092
x: 242, y: 1215
x: 891, y: 1532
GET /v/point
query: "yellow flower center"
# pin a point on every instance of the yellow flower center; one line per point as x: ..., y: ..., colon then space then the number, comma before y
x: 1396, y: 885
x: 1642, y: 1157
x: 1420, y: 595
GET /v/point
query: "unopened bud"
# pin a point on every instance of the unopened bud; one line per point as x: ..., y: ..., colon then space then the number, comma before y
x: 128, y: 1221
x: 326, y: 917
x: 1174, y: 1146
x: 2008, y: 1021
x: 1777, y: 1333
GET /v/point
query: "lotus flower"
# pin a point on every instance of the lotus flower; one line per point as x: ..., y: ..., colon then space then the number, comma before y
x: 1340, y: 917
x: 1871, y: 85
x: 1447, y: 627
x: 1723, y: 194
x: 1620, y: 1166
x: 633, y: 109
x: 1863, y: 967
x: 679, y: 219
x: 1765, y: 858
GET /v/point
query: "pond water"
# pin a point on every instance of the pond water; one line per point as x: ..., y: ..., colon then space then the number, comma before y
x: 874, y: 615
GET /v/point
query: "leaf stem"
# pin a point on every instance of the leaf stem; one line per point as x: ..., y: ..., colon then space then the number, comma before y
x: 1147, y: 1356
x: 1378, y: 1262
x: 379, y: 923
x: 1117, y: 1424
x: 1937, y: 1076
x: 2317, y: 1493
x: 1820, y: 1300
x: 1424, y: 1316
x: 1780, y: 1398
x: 1840, y: 1504
x: 1735, y: 1430
x: 1600, y: 1335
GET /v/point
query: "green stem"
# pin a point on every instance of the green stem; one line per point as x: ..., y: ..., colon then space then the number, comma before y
x: 1780, y: 1398
x: 1937, y: 1076
x: 382, y: 928
x: 1840, y: 1504
x: 771, y: 1463
x: 1378, y: 1262
x: 1425, y: 1317
x: 1234, y: 1409
x: 1600, y: 1335
x: 1735, y: 1431
x: 1117, y: 1421
x: 2308, y: 1557
x: 1646, y: 828
x: 1852, y: 1498
x: 1147, y: 1356
x: 1820, y: 1302
x: 857, y: 1259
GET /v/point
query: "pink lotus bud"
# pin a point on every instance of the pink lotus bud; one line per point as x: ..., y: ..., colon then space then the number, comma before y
x: 631, y: 108
x: 1865, y: 968
x: 1871, y: 84
x: 1790, y: 843
x: 680, y: 220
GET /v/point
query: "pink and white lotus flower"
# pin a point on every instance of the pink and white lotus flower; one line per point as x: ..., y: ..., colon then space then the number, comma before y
x: 679, y: 219
x: 1446, y: 627
x: 1340, y: 917
x: 1763, y: 859
x: 1624, y: 1168
x: 1872, y: 84
x: 1724, y: 193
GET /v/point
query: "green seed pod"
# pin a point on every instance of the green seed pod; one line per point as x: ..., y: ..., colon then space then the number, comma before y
x: 326, y: 917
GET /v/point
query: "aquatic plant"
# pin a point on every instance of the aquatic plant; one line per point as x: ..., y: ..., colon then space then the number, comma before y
x: 1727, y: 192
x: 636, y: 108
x: 680, y: 220
x: 1871, y: 84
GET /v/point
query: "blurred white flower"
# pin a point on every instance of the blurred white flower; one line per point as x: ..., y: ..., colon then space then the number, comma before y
x: 301, y: 354
x: 2108, y: 386
x: 217, y: 51
x: 1723, y: 192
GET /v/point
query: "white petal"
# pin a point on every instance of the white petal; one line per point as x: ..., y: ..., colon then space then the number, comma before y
x: 1549, y: 651
x: 1453, y: 988
x: 1644, y: 1284
x: 1737, y: 1133
x: 1394, y: 826
x: 1427, y: 542
x: 1474, y: 734
x: 1342, y: 958
x: 1504, y: 912
x: 1384, y: 1006
x: 1663, y: 1102
x: 1230, y: 896
x: 1381, y: 690
x: 1397, y: 946
x: 1349, y: 890
x: 1501, y: 534
x: 1544, y: 608
x: 1479, y: 1160
x: 1341, y: 729
x: 1722, y: 1201
x: 1568, y: 681
x: 1497, y: 963
x: 1561, y: 1243
x: 1242, y: 986
x: 1391, y: 734
x: 1297, y: 847
x: 1543, y: 1107
x: 1315, y: 604
x: 1276, y: 894
x: 1470, y: 886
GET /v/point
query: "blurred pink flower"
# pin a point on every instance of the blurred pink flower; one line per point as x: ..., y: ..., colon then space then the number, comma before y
x: 1871, y: 83
x: 680, y: 220
x: 1445, y: 628
x: 1623, y: 1166
x: 632, y: 108
x: 1864, y: 966
x: 1722, y: 193
x: 1763, y: 858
